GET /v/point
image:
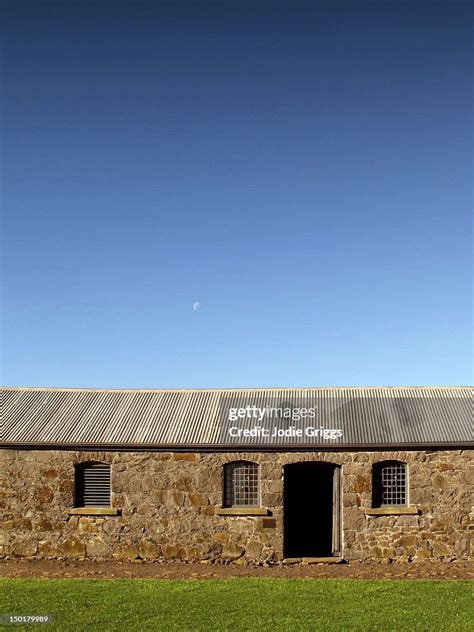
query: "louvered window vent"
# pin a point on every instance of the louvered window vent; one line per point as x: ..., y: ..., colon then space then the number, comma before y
x: 92, y: 485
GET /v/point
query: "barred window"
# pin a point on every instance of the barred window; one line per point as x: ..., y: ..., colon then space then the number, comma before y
x: 241, y: 486
x: 92, y: 485
x: 389, y: 483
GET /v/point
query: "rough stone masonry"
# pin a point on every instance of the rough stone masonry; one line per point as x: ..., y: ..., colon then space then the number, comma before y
x: 167, y: 504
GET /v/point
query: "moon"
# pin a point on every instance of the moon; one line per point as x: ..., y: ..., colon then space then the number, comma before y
x: 196, y: 306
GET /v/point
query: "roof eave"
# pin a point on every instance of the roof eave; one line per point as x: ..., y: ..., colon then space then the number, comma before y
x: 208, y: 447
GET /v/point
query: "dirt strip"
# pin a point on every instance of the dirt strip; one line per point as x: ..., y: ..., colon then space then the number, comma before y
x: 180, y: 570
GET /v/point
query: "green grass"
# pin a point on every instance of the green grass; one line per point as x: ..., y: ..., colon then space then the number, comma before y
x: 240, y: 604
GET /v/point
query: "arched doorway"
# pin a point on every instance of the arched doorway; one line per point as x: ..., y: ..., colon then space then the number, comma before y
x: 311, y: 509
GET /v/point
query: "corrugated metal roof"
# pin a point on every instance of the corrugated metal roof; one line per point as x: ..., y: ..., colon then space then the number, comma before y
x: 366, y: 417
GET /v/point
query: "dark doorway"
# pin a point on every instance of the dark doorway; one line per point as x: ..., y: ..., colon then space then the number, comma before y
x: 311, y: 506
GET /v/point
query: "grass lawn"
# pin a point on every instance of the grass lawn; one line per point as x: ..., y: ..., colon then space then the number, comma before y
x: 240, y: 604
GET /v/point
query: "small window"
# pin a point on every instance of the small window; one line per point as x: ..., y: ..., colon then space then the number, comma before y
x: 92, y: 485
x: 389, y: 484
x: 241, y: 488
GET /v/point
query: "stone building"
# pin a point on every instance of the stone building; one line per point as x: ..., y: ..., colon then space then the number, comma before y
x: 254, y: 475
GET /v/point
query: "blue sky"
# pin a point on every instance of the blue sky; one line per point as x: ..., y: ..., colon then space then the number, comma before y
x: 302, y: 170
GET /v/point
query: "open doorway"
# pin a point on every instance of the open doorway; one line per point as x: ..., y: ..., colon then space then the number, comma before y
x: 311, y: 510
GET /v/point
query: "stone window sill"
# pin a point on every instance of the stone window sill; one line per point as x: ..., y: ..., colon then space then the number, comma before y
x: 393, y: 511
x: 93, y: 511
x: 241, y: 511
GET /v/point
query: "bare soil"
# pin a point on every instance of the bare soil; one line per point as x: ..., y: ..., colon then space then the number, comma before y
x: 180, y: 570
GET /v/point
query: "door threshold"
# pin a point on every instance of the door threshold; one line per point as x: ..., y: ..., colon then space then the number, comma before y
x: 312, y: 560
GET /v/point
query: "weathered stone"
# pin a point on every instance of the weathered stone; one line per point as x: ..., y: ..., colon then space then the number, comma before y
x: 423, y: 553
x: 406, y: 521
x: 439, y: 482
x: 25, y: 548
x: 173, y: 498
x: 223, y: 538
x: 50, y: 472
x: 111, y: 526
x: 461, y: 547
x: 361, y: 484
x: 197, y: 500
x: 361, y: 458
x: 207, y: 511
x: 43, y: 525
x: 8, y: 455
x: 350, y: 499
x: 354, y: 518
x: 185, y: 456
x: 232, y: 551
x: 37, y: 456
x: 407, y: 540
x: 442, y: 521
x: 147, y: 483
x: 97, y: 548
x: 469, y: 474
x: 46, y: 548
x: 253, y: 550
x: 43, y: 495
x: 7, y: 525
x: 73, y: 547
x: 389, y: 552
x: 275, y: 487
x: 148, y: 550
x: 23, y: 524
x: 443, y: 467
x: 90, y: 525
x: 66, y: 486
x: 213, y: 551
x: 440, y: 549
x: 124, y: 551
x: 192, y: 553
x: 171, y: 551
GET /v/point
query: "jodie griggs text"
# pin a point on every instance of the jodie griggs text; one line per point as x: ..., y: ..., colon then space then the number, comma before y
x: 292, y: 431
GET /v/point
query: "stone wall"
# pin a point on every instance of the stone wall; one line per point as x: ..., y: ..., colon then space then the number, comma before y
x: 167, y: 505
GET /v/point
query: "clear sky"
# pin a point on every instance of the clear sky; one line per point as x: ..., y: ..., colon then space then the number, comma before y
x: 300, y: 170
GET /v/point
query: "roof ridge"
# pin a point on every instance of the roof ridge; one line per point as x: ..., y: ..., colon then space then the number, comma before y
x: 224, y: 389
